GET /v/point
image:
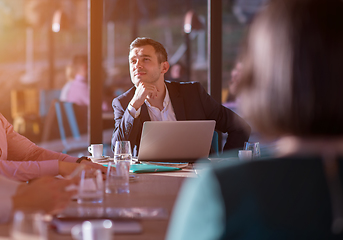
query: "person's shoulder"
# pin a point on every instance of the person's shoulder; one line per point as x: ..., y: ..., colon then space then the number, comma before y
x: 3, y: 120
x: 126, y: 94
x: 67, y: 85
x: 76, y: 87
x: 182, y: 84
x: 2, y: 117
x: 124, y: 98
x: 264, y: 166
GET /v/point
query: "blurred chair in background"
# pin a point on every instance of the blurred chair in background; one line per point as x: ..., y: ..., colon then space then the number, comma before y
x: 72, y: 121
x: 46, y: 97
x: 29, y: 108
x: 25, y: 112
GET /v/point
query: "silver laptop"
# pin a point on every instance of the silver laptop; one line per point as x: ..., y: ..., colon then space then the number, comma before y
x: 175, y: 141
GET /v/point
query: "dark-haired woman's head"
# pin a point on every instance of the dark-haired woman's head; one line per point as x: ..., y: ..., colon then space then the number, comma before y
x: 292, y: 77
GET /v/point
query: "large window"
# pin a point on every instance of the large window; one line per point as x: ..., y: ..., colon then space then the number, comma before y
x: 34, y: 57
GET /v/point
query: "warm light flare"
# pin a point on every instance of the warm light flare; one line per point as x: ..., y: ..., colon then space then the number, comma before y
x: 56, y: 27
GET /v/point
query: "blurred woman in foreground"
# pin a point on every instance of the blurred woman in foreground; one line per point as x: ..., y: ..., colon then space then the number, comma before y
x: 46, y: 194
x: 291, y: 88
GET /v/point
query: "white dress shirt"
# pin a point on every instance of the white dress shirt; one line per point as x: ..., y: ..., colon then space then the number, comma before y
x: 65, y: 92
x: 167, y: 113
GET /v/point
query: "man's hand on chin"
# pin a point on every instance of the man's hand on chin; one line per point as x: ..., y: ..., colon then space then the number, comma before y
x: 143, y: 91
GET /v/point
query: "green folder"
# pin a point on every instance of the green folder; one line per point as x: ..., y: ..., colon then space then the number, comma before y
x: 148, y: 168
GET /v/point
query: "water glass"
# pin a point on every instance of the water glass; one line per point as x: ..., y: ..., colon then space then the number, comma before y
x: 91, y: 186
x: 254, y: 147
x: 29, y: 226
x: 245, y: 154
x: 122, y: 151
x: 117, y: 179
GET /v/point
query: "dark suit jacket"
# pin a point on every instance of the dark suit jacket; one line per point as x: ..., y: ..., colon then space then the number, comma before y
x: 190, y: 102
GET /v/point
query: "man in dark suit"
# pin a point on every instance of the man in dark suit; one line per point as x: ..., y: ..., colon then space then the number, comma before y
x: 154, y: 99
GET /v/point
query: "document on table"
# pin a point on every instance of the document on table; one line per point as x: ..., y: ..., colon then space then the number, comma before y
x: 119, y: 227
x: 99, y: 212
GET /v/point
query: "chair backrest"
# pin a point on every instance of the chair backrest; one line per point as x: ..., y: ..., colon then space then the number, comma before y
x: 46, y: 97
x: 72, y: 120
x: 69, y: 113
x: 215, y: 143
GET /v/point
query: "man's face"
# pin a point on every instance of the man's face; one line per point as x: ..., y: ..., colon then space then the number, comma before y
x: 144, y: 65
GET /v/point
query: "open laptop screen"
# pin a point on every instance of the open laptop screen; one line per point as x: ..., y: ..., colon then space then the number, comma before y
x: 175, y: 141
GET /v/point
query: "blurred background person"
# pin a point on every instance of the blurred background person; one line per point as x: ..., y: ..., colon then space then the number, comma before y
x: 177, y: 72
x: 76, y: 90
x: 231, y: 101
x: 70, y: 75
x: 290, y: 89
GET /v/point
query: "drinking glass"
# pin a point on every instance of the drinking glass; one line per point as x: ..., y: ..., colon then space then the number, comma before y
x: 254, y: 147
x: 245, y: 154
x: 122, y: 151
x: 91, y: 186
x: 117, y: 179
x: 28, y: 226
x: 123, y: 160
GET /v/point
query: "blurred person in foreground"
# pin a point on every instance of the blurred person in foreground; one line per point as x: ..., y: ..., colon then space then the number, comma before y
x: 22, y: 160
x: 154, y: 99
x: 47, y: 194
x: 291, y: 88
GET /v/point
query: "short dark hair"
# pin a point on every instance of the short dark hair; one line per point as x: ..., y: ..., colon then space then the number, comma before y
x: 292, y: 76
x: 161, y: 52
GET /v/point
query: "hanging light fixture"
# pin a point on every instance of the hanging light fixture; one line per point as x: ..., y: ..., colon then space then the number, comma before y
x: 59, y: 21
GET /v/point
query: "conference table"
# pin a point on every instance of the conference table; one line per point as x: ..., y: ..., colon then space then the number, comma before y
x: 147, y: 190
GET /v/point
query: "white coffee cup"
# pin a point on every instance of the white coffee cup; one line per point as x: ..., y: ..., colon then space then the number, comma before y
x: 96, y: 150
x: 245, y: 154
x: 93, y: 230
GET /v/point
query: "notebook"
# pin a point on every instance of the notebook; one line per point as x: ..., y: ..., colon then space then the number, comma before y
x: 175, y: 141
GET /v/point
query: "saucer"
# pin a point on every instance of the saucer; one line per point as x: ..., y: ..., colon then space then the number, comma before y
x: 98, y: 159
